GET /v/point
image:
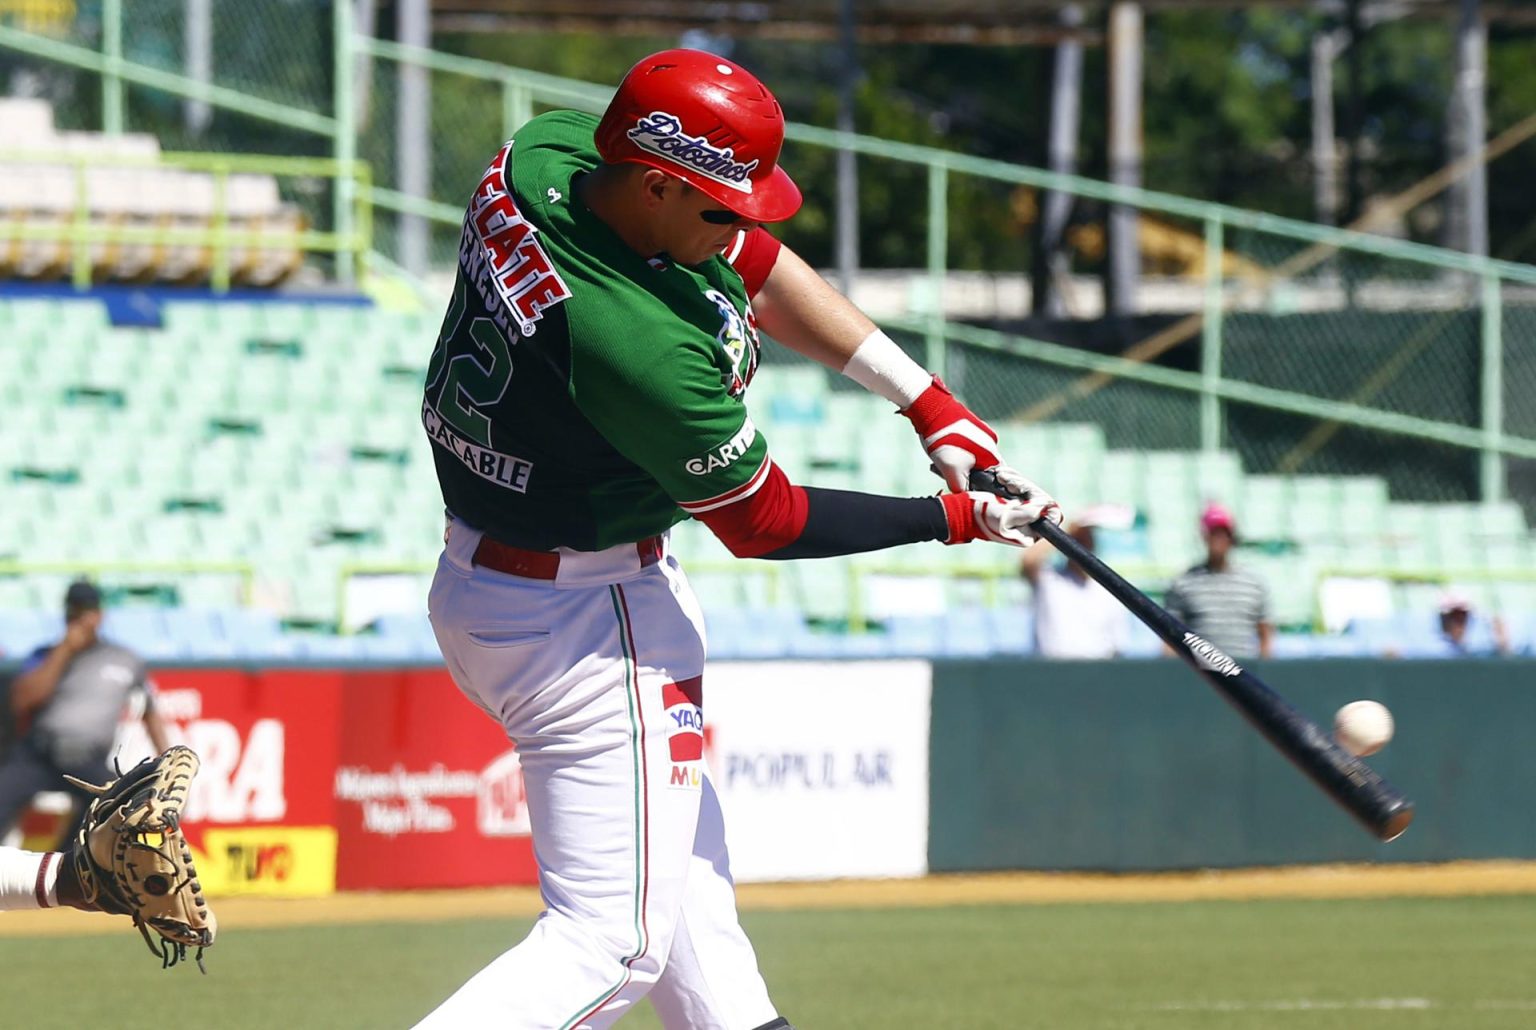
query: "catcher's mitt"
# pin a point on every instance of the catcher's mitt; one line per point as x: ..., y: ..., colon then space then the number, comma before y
x: 132, y: 859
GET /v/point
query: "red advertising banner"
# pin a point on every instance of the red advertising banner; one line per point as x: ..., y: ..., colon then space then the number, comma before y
x: 260, y: 816
x: 428, y: 792
x: 314, y: 780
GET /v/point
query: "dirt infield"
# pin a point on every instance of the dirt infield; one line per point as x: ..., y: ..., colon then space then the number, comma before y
x: 1456, y: 879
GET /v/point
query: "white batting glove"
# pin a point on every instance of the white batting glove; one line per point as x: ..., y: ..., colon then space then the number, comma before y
x: 982, y: 515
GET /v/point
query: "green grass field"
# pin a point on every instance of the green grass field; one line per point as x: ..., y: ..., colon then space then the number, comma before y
x: 1409, y: 963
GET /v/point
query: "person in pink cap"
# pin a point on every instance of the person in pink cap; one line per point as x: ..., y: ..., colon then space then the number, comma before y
x: 1460, y: 635
x: 1224, y: 603
x: 587, y: 392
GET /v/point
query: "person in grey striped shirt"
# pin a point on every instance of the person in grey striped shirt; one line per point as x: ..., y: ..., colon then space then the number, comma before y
x: 1225, y: 604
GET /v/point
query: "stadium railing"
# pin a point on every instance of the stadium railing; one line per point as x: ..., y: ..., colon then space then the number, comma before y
x: 1267, y: 283
x: 86, y: 230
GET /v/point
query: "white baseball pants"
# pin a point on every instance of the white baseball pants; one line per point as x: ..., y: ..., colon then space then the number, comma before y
x: 596, y: 676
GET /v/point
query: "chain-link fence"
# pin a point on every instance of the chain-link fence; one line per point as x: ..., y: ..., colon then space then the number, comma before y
x: 1303, y: 349
x: 278, y: 50
x: 469, y: 117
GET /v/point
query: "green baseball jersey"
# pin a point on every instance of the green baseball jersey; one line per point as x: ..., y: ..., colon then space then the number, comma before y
x: 582, y: 395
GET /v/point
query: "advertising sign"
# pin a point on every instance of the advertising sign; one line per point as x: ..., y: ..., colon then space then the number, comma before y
x: 259, y: 819
x: 822, y: 768
x: 427, y: 789
x: 314, y: 780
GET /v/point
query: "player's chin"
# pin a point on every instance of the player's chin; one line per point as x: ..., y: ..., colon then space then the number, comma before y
x: 714, y: 248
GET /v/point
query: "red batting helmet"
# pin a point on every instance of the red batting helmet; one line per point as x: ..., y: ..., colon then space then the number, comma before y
x: 709, y: 122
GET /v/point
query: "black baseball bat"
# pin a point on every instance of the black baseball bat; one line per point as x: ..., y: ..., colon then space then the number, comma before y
x: 1379, y: 806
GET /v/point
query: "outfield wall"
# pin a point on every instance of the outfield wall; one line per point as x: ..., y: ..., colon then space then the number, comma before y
x: 1140, y: 765
x: 323, y: 779
x: 375, y: 778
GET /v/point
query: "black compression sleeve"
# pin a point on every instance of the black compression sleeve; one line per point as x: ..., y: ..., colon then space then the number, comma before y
x: 843, y: 522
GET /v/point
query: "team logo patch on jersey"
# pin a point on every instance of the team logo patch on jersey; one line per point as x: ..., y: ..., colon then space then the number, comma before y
x: 684, y: 704
x: 738, y: 340
x: 662, y: 133
x: 500, y: 251
x: 726, y: 454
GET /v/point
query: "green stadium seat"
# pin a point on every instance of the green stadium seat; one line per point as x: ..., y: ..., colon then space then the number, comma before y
x: 1218, y: 477
x: 1267, y: 511
x: 1508, y: 555
x: 791, y: 445
x: 61, y: 317
x: 286, y: 320
x: 1455, y: 551
x: 1169, y: 474
x: 1023, y: 443
x: 1317, y: 503
x: 1408, y: 518
x: 804, y: 381
x: 1500, y: 519
x: 32, y: 593
x: 1370, y: 520
x: 1173, y: 550
x: 820, y: 588
x: 1514, y: 598
x: 1363, y: 490
x: 337, y: 470
x: 1327, y: 553
x: 1120, y: 478
x: 1077, y: 438
x: 1410, y: 554
x: 1075, y: 485
x: 1292, y: 586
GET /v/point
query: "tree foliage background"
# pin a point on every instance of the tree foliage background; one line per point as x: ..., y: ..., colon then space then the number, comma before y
x: 1227, y: 117
x: 1227, y: 114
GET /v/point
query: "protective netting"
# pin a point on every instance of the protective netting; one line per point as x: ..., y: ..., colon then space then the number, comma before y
x: 469, y: 117
x: 279, y: 50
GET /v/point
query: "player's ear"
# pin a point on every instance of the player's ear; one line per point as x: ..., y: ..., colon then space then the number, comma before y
x: 654, y: 187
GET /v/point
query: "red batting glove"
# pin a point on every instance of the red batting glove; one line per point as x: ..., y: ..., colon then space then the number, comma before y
x: 954, y: 437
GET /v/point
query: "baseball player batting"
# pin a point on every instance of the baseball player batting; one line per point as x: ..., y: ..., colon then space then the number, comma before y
x: 587, y: 392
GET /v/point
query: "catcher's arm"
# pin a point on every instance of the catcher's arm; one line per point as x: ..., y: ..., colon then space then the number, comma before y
x: 130, y: 857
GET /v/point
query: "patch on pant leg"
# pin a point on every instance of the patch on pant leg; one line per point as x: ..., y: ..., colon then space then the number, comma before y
x: 684, y: 703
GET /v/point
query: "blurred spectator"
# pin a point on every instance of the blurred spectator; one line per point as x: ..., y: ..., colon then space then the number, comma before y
x: 66, y: 702
x: 1456, y: 619
x: 1074, y: 616
x: 1225, y: 604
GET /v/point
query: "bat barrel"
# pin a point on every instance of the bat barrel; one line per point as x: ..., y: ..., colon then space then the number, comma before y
x: 1355, y: 786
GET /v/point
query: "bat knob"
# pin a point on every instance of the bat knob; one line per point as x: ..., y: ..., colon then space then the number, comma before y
x: 1397, y: 820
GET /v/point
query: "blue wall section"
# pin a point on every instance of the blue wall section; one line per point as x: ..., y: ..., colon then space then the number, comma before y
x: 1140, y: 765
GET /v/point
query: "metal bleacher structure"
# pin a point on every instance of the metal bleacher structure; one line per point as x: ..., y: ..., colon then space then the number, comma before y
x: 250, y: 481
x: 93, y: 207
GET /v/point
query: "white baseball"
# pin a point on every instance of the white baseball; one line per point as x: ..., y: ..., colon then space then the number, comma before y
x: 1362, y: 727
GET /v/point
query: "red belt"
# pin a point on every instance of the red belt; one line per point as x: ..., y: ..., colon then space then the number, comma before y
x: 515, y: 561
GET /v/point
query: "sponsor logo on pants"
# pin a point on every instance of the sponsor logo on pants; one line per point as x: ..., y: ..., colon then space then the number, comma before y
x: 684, y: 704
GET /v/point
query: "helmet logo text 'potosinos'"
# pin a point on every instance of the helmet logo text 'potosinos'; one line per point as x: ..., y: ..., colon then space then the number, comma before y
x: 662, y: 133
